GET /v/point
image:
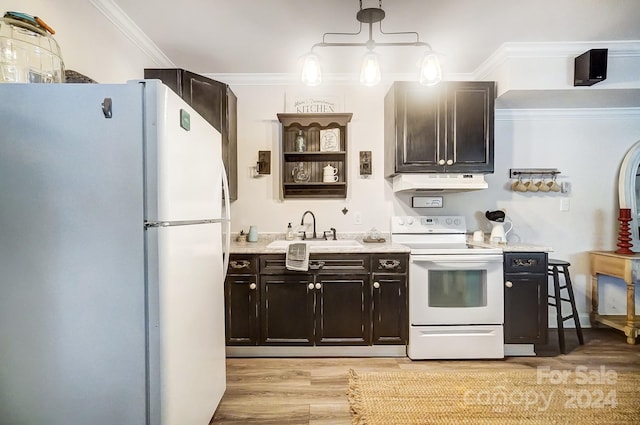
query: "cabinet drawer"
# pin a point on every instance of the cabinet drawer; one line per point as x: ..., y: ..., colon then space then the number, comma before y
x: 525, y: 262
x: 389, y: 263
x: 242, y: 264
x: 318, y: 263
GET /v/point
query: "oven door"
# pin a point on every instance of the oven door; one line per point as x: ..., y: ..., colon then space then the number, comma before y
x: 456, y: 290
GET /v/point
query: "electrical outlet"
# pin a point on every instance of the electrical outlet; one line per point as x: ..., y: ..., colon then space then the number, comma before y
x: 564, y: 204
x: 357, y: 218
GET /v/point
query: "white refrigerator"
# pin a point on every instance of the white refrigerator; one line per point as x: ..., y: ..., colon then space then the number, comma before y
x: 113, y: 233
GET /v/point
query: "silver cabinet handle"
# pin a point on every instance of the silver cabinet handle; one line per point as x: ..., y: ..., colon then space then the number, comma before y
x: 449, y: 162
x: 508, y: 284
x: 252, y: 286
x: 310, y: 286
x: 441, y: 162
x: 522, y: 262
x: 241, y: 264
x: 389, y: 264
x: 316, y: 265
x: 318, y: 285
x: 376, y: 285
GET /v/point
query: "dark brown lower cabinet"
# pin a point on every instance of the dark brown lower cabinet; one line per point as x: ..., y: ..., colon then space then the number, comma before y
x: 241, y: 299
x: 525, y: 298
x: 342, y: 307
x: 335, y: 303
x: 286, y: 309
x: 390, y: 315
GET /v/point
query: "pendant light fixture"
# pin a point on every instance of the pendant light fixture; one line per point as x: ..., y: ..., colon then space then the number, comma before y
x: 430, y: 72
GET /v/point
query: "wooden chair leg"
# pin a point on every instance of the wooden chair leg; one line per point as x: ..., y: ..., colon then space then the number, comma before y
x: 558, y: 301
x: 572, y: 300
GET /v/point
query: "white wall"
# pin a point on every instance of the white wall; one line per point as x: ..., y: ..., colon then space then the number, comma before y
x: 90, y: 43
x: 259, y: 202
x: 586, y: 146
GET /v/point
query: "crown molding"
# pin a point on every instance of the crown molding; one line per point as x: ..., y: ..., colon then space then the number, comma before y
x: 529, y: 50
x: 126, y: 26
x: 487, y: 70
x: 567, y: 113
x: 275, y: 79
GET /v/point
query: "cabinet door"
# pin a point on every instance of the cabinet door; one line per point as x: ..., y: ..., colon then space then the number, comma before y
x: 525, y: 309
x: 286, y: 309
x: 342, y: 315
x: 390, y: 320
x: 241, y: 309
x: 444, y: 128
x: 470, y: 127
x: 216, y: 103
x: 418, y: 128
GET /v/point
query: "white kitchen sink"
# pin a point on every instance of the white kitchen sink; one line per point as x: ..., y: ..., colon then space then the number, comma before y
x: 319, y: 244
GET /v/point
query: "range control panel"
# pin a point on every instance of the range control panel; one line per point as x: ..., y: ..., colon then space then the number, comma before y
x: 425, y: 224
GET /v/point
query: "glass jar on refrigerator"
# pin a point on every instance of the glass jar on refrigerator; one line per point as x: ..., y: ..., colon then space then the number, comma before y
x: 28, y: 53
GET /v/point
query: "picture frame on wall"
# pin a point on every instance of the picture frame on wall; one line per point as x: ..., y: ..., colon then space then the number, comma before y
x: 330, y: 140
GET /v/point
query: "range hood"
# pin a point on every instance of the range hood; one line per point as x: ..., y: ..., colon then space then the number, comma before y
x: 428, y: 182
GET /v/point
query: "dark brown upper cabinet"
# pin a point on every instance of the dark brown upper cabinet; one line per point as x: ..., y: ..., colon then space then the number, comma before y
x: 447, y: 128
x: 217, y: 104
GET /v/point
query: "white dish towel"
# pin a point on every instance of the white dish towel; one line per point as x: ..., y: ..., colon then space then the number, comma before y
x: 297, y: 257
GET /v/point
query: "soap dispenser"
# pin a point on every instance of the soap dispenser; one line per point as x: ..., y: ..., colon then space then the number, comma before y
x: 289, y: 235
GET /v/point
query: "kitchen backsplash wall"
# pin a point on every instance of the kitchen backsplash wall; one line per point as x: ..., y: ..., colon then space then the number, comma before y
x: 260, y: 203
x: 586, y: 146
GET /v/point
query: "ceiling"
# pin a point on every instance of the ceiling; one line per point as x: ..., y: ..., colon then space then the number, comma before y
x: 270, y: 36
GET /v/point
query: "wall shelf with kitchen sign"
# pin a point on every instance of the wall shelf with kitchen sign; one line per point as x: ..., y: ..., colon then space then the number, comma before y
x: 314, y: 155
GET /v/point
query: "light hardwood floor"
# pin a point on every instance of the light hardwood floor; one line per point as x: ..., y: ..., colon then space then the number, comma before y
x: 312, y: 391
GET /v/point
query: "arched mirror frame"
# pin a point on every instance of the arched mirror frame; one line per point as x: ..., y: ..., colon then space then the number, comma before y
x: 627, y: 190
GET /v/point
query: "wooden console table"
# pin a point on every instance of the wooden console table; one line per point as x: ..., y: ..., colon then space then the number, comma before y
x: 627, y: 268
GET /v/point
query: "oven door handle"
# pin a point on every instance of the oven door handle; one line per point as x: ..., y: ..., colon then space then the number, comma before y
x: 460, y: 259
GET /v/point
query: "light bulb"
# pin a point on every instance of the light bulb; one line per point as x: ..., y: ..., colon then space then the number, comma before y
x: 311, y: 71
x: 430, y: 72
x: 370, y: 72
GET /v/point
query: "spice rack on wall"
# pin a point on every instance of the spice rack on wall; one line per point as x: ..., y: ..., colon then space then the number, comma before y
x: 317, y: 153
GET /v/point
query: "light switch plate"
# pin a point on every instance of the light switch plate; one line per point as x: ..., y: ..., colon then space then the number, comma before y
x: 426, y: 201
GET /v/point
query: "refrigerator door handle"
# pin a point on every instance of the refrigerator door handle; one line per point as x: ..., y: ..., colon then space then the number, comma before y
x: 148, y: 224
x: 226, y: 251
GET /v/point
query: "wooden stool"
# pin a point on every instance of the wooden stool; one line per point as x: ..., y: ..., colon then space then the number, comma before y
x: 556, y: 299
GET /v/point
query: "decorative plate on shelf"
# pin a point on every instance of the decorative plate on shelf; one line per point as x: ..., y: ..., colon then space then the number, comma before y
x: 330, y: 140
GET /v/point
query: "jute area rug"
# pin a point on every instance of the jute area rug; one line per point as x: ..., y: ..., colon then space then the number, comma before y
x: 541, y: 396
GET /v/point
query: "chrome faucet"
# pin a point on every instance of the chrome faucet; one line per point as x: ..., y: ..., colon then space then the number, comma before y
x: 304, y: 234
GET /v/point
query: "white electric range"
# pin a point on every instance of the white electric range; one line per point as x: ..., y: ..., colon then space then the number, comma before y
x: 456, y: 299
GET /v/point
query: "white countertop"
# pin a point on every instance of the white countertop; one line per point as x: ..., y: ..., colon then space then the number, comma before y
x: 264, y: 239
x: 510, y: 246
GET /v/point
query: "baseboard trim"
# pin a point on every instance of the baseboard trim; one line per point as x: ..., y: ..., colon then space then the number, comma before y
x: 324, y: 351
x: 519, y: 350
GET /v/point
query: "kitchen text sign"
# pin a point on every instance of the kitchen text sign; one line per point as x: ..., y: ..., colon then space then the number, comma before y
x: 311, y: 104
